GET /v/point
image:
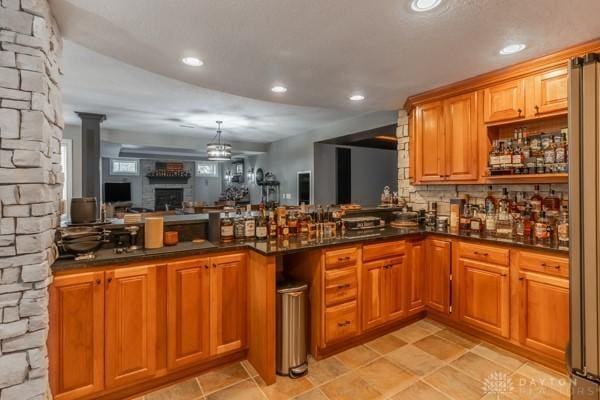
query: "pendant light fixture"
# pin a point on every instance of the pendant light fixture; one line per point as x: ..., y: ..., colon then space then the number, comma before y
x: 216, y: 150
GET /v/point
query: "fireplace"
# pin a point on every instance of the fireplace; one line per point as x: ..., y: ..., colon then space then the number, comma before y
x: 173, y: 198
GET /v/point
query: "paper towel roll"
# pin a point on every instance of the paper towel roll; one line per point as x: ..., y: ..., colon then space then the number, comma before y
x: 153, y: 233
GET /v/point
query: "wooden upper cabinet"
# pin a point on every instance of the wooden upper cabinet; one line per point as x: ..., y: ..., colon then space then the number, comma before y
x: 504, y: 101
x: 76, y: 340
x: 484, y: 294
x: 429, y: 142
x: 188, y: 301
x: 461, y: 136
x: 373, y: 312
x: 415, y: 277
x: 550, y: 94
x: 130, y: 324
x: 438, y: 264
x: 544, y: 313
x: 228, y: 303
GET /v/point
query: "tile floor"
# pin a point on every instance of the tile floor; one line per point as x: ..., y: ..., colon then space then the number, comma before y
x: 424, y: 360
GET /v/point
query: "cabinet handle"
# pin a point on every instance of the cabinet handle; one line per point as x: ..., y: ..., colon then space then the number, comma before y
x: 345, y: 286
x: 522, y: 278
x: 343, y: 258
x: 537, y: 109
x: 98, y: 281
x: 214, y: 265
x: 519, y: 111
x: 503, y: 274
x: 481, y: 254
x: 109, y: 280
x: 550, y: 266
x: 206, y: 266
x: 344, y: 323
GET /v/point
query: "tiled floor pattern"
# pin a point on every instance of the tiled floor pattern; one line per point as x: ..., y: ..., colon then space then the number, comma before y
x: 424, y: 360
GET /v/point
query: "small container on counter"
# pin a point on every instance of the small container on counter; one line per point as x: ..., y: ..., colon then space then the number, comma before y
x: 441, y: 223
x: 153, y: 232
x: 171, y: 238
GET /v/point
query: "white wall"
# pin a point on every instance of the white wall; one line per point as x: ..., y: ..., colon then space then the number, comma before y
x: 74, y: 133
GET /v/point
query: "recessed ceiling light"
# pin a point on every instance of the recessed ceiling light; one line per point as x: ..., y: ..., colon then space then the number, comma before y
x: 357, y: 97
x: 279, y: 89
x: 192, y: 61
x: 512, y: 49
x: 424, y: 5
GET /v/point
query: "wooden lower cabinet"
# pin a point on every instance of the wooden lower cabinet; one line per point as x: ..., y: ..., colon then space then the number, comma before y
x: 484, y: 296
x: 544, y: 313
x: 384, y: 291
x: 131, y: 325
x: 228, y: 303
x: 76, y: 339
x: 415, y: 277
x: 438, y: 267
x: 188, y: 304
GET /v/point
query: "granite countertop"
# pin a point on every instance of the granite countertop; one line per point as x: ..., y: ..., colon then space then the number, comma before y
x: 281, y: 246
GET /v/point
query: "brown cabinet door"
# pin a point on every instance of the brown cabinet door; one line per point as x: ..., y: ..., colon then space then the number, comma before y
x: 130, y: 324
x: 484, y: 296
x: 437, y: 261
x: 372, y: 294
x: 460, y: 114
x: 415, y: 278
x: 504, y: 101
x: 76, y: 340
x: 228, y: 303
x: 395, y: 285
x: 544, y: 313
x: 188, y: 300
x: 429, y: 149
x: 550, y: 92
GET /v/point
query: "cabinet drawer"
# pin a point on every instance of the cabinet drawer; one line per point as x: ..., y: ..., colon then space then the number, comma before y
x: 341, y: 257
x: 490, y: 254
x: 383, y: 250
x: 544, y: 263
x: 341, y: 285
x: 341, y: 321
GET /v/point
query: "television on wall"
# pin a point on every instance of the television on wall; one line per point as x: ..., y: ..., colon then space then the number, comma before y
x: 117, y: 192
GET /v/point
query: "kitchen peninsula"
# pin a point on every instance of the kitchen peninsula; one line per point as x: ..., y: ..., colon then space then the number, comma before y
x: 363, y: 285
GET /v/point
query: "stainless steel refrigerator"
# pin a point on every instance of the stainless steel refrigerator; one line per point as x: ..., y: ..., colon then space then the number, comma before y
x: 584, y: 207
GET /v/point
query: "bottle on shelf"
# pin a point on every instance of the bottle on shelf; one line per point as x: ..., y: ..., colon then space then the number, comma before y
x: 490, y: 202
x: 227, y: 229
x: 464, y: 223
x: 551, y: 203
x: 562, y: 228
x: 292, y: 223
x: 542, y: 229
x: 477, y: 222
x: 536, y: 202
x: 527, y: 223
x: 490, y: 222
x: 282, y: 226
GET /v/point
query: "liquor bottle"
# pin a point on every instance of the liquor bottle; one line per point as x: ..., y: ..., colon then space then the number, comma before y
x: 239, y: 225
x: 464, y: 223
x: 490, y: 222
x: 527, y: 223
x: 303, y: 222
x: 261, y: 226
x: 519, y: 226
x: 282, y: 226
x: 562, y: 228
x: 249, y: 224
x: 504, y: 200
x: 515, y: 210
x: 522, y: 202
x: 227, y: 229
x: 504, y: 225
x: 494, y: 158
x: 477, y: 222
x: 542, y: 229
x: 490, y: 202
x: 551, y: 203
x: 292, y: 222
x: 536, y: 203
x: 272, y: 225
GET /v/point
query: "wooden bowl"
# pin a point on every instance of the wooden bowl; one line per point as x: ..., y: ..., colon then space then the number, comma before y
x: 171, y: 238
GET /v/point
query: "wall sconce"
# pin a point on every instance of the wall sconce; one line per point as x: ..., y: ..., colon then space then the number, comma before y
x: 228, y: 176
x: 251, y: 175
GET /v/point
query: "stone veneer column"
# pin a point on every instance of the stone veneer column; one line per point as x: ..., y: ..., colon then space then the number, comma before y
x: 31, y: 179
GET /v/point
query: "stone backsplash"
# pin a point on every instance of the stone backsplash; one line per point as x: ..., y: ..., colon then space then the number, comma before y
x: 420, y: 196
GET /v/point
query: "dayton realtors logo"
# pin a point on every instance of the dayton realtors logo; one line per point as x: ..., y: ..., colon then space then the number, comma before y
x: 498, y: 383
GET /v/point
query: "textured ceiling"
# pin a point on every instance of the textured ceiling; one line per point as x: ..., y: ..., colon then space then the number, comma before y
x: 324, y: 50
x: 136, y: 100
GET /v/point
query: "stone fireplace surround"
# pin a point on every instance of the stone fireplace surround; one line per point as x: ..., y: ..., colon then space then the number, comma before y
x: 148, y: 189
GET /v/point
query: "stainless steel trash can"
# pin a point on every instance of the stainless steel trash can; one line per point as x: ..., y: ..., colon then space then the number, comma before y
x: 291, y: 329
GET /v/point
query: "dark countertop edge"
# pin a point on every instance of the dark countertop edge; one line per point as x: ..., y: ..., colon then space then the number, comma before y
x: 387, y: 235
